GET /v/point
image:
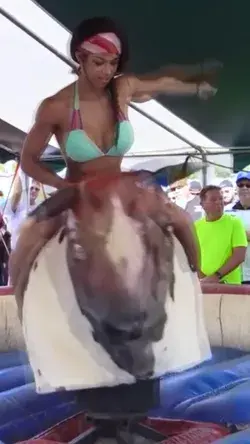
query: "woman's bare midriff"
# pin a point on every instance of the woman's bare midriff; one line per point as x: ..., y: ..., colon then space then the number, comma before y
x: 101, y: 166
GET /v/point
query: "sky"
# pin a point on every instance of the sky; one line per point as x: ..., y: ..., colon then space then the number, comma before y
x: 29, y: 73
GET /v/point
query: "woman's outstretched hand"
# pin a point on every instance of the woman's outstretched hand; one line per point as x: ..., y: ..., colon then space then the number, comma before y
x: 205, y: 91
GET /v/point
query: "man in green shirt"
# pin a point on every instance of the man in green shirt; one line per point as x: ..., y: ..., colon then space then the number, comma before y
x: 222, y: 240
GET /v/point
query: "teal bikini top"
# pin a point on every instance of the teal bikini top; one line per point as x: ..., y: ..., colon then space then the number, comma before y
x: 80, y: 148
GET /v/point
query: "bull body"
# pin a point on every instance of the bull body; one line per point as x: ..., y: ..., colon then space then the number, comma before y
x: 119, y: 292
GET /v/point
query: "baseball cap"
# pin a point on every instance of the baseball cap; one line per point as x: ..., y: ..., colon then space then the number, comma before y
x: 243, y: 175
x: 226, y: 184
x: 195, y: 185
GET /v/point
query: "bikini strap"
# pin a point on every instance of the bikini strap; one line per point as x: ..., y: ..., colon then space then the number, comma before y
x: 76, y: 97
x: 76, y: 120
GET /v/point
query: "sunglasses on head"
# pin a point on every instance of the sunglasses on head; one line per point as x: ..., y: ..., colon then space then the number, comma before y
x: 243, y: 185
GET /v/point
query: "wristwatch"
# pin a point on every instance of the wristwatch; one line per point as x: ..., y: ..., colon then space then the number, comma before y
x: 219, y: 275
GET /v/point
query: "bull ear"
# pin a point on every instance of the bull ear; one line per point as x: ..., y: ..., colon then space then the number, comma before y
x: 172, y: 173
x: 60, y: 201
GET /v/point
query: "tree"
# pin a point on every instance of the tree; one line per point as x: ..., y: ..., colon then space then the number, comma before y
x: 222, y: 172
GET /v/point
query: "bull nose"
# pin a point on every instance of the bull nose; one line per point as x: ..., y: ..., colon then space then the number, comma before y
x: 120, y: 335
x: 137, y: 359
x: 128, y: 330
x: 144, y: 375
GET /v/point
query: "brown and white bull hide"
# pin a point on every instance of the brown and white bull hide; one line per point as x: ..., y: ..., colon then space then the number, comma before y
x: 110, y: 297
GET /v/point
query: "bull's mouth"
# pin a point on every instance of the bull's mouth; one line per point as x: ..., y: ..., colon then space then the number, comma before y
x: 139, y: 362
x: 152, y: 332
x: 130, y: 349
x: 134, y: 355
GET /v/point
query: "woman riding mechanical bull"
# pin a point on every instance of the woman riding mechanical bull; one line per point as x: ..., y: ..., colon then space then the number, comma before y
x: 105, y: 270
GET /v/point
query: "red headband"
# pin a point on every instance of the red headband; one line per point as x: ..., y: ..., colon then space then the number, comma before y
x: 103, y: 43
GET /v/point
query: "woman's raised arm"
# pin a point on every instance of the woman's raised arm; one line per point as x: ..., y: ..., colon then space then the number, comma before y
x: 172, y: 80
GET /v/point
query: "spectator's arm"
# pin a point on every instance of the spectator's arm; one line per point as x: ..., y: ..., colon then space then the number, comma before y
x: 239, y: 245
x: 16, y: 195
x: 236, y: 259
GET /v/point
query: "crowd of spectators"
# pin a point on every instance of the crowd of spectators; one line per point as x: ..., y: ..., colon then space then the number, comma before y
x: 221, y: 215
x: 13, y: 213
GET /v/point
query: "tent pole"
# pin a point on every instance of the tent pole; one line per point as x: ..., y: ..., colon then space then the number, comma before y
x: 198, y: 148
x: 35, y: 37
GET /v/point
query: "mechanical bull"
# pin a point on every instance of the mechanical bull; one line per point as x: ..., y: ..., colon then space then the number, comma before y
x: 105, y: 282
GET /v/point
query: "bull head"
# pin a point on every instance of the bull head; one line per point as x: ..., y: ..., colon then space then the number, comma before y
x: 120, y: 263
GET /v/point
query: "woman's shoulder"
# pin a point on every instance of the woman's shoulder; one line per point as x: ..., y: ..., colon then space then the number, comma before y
x: 64, y: 93
x: 124, y: 88
x: 125, y: 81
x: 53, y: 105
x: 60, y: 96
x: 128, y: 87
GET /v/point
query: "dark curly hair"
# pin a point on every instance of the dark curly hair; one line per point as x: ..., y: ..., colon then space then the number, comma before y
x: 90, y: 27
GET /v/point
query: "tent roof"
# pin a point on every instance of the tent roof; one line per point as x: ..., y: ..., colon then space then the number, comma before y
x: 184, y: 32
x: 11, y: 141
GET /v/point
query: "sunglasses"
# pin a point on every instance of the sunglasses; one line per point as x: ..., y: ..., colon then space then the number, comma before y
x: 34, y: 189
x: 243, y: 185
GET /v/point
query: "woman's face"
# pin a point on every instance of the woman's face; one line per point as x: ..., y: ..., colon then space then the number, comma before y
x: 100, y: 68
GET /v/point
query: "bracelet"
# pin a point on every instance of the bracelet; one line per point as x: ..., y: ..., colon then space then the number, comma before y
x: 219, y: 275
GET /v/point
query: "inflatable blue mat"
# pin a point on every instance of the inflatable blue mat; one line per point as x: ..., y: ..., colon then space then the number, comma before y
x: 23, y: 413
x: 237, y: 438
x: 217, y: 391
